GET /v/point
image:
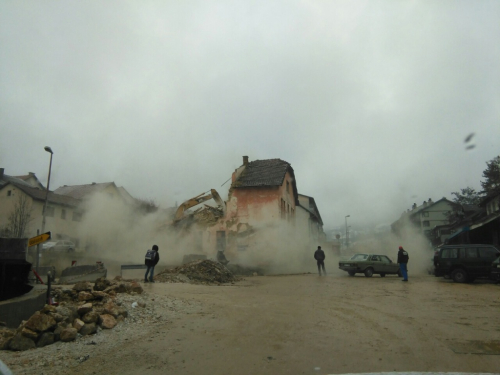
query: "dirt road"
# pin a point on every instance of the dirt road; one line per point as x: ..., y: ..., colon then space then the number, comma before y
x: 304, y: 324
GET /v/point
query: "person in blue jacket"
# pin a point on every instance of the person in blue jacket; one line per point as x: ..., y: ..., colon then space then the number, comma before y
x: 403, y: 262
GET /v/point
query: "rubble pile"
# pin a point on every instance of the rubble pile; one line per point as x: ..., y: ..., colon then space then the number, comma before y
x: 208, y: 215
x: 147, y: 315
x: 81, y: 311
x: 198, y: 272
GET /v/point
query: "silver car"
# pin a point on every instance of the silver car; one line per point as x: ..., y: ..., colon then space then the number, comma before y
x: 62, y: 245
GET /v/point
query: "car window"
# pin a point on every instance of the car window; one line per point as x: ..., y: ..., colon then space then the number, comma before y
x: 385, y: 259
x: 375, y: 258
x: 487, y: 252
x: 359, y: 257
x: 471, y: 252
x: 450, y: 253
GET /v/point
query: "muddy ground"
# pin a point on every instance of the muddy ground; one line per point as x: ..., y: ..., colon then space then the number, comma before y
x: 293, y: 324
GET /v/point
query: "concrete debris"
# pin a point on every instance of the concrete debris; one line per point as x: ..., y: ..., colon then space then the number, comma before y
x: 208, y: 216
x: 198, y: 272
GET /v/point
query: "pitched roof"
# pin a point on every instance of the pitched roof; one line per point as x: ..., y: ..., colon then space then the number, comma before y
x: 270, y: 172
x: 31, y: 175
x: 53, y: 198
x: 12, y: 180
x: 80, y: 191
x: 266, y: 173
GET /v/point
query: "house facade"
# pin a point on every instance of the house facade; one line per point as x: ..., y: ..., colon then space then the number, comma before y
x: 308, y: 221
x: 425, y: 217
x: 260, y: 211
x: 265, y: 220
x: 62, y: 215
x: 483, y: 227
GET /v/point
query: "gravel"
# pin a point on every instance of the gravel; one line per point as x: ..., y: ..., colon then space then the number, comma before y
x: 151, y: 310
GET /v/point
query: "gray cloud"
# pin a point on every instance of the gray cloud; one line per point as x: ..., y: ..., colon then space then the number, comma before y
x: 370, y: 101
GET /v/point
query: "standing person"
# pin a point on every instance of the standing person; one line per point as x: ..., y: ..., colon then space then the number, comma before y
x: 151, y: 260
x: 403, y: 262
x: 319, y: 255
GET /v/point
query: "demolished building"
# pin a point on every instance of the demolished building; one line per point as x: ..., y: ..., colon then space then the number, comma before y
x: 264, y: 215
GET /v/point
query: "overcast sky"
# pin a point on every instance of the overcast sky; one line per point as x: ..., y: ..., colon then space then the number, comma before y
x: 369, y: 101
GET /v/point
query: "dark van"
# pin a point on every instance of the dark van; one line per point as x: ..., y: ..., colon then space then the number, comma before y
x: 465, y: 263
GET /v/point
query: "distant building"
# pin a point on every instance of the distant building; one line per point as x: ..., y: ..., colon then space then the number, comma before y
x: 62, y: 215
x: 425, y: 217
x: 308, y: 221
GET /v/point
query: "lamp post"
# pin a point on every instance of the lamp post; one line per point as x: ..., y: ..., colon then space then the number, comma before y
x: 49, y: 150
x: 346, y: 238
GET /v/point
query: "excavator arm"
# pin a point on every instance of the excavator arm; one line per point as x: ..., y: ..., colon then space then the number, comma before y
x: 179, y: 214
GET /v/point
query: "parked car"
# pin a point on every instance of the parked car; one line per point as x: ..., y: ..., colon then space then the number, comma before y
x: 466, y: 262
x: 66, y: 246
x: 495, y: 270
x: 370, y: 264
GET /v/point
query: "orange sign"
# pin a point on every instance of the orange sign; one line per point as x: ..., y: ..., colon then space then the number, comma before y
x: 39, y: 239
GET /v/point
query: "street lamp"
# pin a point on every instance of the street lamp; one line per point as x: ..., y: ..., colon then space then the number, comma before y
x: 346, y: 238
x: 49, y: 150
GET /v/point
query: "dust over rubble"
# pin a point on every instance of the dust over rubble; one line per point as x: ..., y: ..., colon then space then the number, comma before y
x: 198, y: 272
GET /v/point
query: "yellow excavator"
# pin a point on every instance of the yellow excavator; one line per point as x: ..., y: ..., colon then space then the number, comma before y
x: 203, y: 197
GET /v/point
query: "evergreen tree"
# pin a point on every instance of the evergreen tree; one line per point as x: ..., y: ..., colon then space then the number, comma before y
x: 491, y: 184
x: 467, y: 196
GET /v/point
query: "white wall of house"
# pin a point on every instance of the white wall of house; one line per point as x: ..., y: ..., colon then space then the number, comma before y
x: 59, y: 219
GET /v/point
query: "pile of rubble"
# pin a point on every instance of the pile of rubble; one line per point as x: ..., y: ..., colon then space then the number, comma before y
x: 198, y: 272
x: 82, y: 310
x: 208, y: 215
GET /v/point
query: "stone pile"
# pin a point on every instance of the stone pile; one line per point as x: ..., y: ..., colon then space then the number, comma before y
x: 82, y: 310
x: 198, y: 272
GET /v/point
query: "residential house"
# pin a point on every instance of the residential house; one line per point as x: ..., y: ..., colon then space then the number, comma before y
x: 308, y: 221
x: 483, y: 228
x: 62, y: 213
x: 264, y: 213
x: 425, y: 217
x: 32, y: 180
x: 460, y: 217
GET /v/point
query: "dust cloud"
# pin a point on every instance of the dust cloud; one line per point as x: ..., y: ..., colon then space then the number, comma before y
x: 117, y: 233
x: 413, y: 241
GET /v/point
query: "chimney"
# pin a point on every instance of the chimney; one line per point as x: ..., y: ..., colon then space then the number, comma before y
x: 1, y: 173
x: 93, y: 183
x: 31, y: 173
x: 245, y: 160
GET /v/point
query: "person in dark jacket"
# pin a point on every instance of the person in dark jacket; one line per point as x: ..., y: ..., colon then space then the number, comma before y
x: 152, y: 259
x: 403, y: 262
x: 319, y: 255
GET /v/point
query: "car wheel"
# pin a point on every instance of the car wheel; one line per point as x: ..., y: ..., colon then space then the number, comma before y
x: 351, y: 273
x: 382, y: 275
x: 369, y: 272
x: 459, y: 276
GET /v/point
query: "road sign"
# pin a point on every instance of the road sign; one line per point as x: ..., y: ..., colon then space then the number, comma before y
x: 38, y: 239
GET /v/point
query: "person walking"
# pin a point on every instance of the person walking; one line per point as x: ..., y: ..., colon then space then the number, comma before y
x: 403, y: 262
x: 151, y: 260
x: 319, y: 255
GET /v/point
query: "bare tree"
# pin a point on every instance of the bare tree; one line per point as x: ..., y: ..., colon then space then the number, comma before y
x: 20, y: 217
